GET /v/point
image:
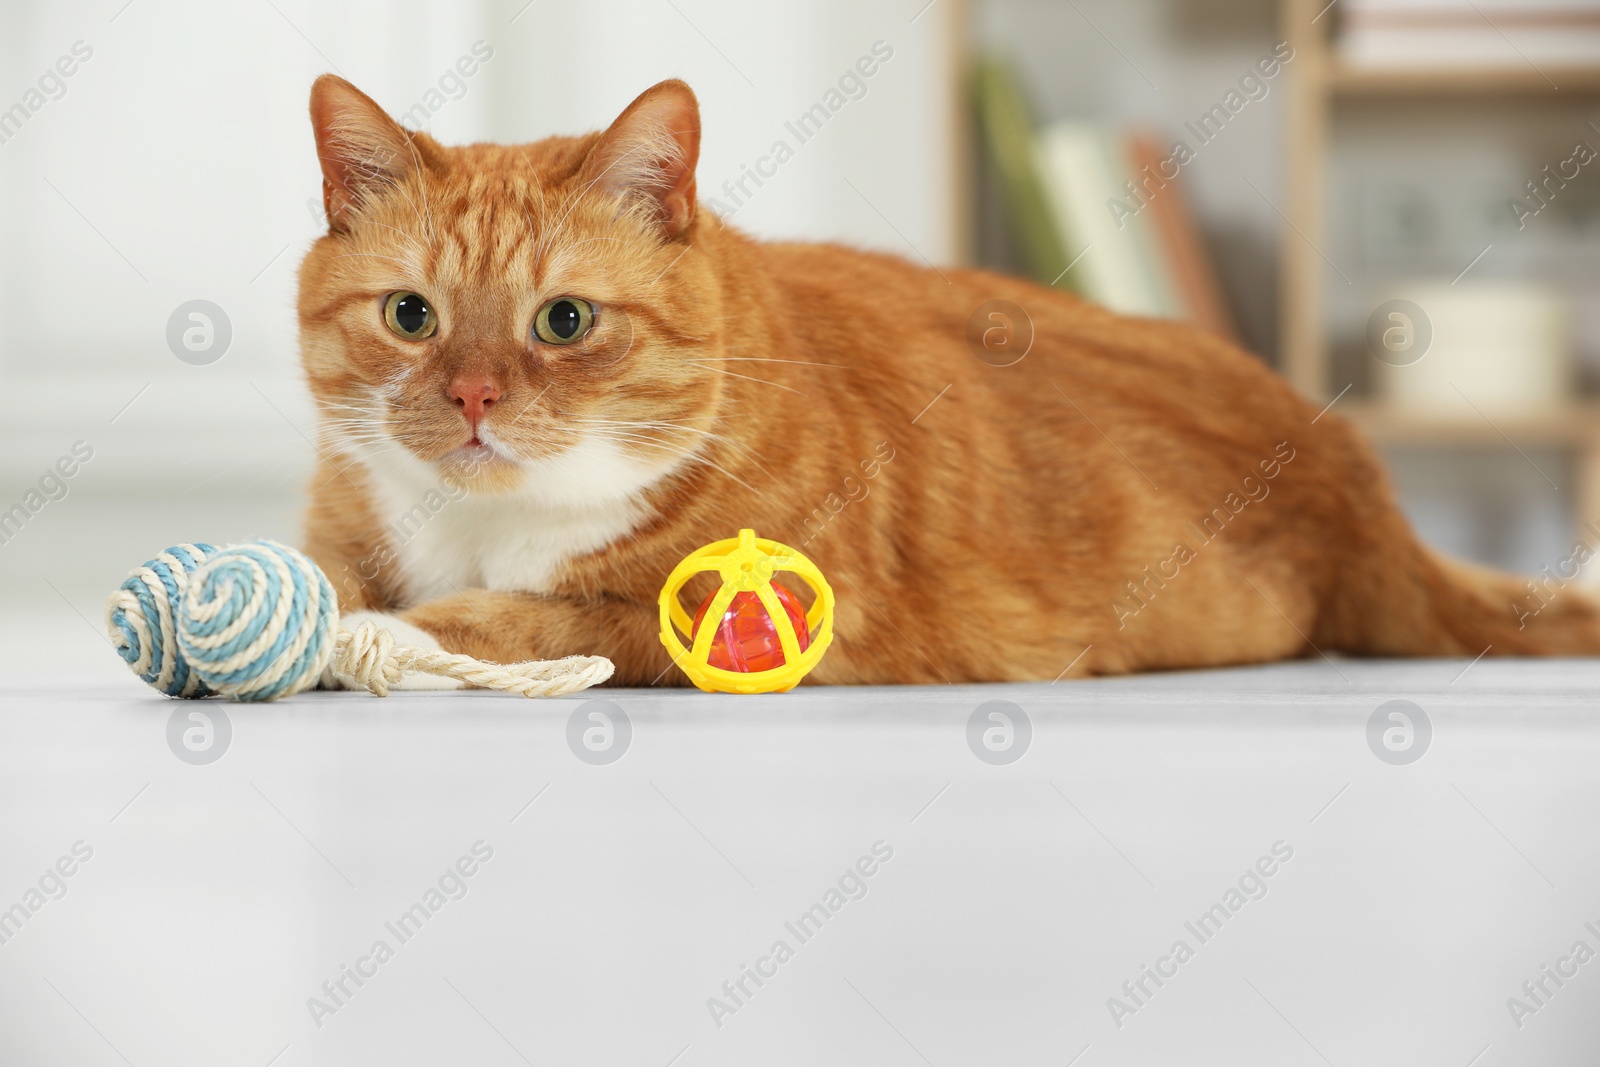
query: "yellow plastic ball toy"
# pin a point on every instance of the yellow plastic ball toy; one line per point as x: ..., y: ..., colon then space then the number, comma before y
x: 757, y: 638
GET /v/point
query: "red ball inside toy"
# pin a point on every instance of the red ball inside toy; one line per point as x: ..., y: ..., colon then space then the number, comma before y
x: 747, y: 639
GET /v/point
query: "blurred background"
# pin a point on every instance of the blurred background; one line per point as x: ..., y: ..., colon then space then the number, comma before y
x: 1393, y: 202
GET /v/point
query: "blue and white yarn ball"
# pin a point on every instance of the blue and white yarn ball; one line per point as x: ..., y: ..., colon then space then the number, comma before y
x: 252, y: 622
x: 142, y: 619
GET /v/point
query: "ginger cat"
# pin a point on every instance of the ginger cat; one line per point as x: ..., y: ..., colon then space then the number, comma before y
x: 545, y: 374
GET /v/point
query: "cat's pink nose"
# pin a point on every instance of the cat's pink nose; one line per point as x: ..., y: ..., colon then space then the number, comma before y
x: 474, y: 394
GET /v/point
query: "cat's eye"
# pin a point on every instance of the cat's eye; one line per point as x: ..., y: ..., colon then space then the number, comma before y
x: 563, y: 320
x: 409, y: 316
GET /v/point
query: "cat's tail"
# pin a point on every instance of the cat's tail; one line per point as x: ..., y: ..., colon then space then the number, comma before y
x: 1407, y: 600
x: 1388, y: 594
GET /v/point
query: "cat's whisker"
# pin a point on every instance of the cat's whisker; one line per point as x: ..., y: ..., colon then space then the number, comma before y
x: 368, y: 435
x: 354, y: 425
x: 375, y: 255
x: 347, y: 420
x: 538, y: 186
x: 577, y: 197
x: 402, y: 233
x: 662, y: 424
x: 676, y: 425
x: 359, y: 418
x: 360, y: 429
x: 693, y: 455
x: 529, y: 407
x: 748, y: 378
x: 556, y: 260
x: 765, y: 359
x: 422, y: 187
x: 590, y: 241
x: 703, y: 460
x: 427, y: 223
x: 730, y: 443
x: 360, y: 435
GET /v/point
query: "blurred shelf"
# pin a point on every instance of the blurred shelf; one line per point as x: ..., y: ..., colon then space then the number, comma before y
x: 1320, y: 80
x: 1421, y: 81
x: 1573, y: 424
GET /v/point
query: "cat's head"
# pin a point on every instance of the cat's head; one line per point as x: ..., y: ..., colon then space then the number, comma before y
x: 512, y: 314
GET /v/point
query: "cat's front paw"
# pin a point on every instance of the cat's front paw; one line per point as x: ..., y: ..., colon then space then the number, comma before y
x: 404, y: 634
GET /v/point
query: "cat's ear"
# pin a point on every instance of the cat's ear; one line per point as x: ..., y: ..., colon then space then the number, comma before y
x: 359, y: 145
x: 649, y: 155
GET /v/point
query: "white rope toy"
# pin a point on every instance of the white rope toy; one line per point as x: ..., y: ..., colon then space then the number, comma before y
x: 260, y: 622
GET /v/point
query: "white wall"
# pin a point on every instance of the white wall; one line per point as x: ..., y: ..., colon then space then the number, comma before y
x: 179, y: 165
x: 754, y: 67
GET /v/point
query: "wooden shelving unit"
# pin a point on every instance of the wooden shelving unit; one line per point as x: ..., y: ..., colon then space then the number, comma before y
x: 1574, y: 424
x: 1422, y: 82
x: 1317, y: 82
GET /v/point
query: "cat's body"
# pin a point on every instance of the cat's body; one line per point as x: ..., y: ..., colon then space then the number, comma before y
x: 1128, y: 495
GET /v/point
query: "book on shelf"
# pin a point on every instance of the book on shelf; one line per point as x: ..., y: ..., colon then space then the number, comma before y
x: 1193, y: 276
x: 1115, y: 264
x: 1098, y: 210
x: 1469, y: 34
x: 1007, y: 129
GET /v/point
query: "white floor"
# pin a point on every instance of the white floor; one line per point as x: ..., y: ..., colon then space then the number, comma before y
x: 620, y: 897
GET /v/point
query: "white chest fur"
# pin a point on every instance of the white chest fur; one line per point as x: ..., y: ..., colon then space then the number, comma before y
x: 446, y: 540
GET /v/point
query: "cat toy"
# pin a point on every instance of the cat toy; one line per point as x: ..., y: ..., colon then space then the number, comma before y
x: 260, y: 622
x: 763, y: 640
